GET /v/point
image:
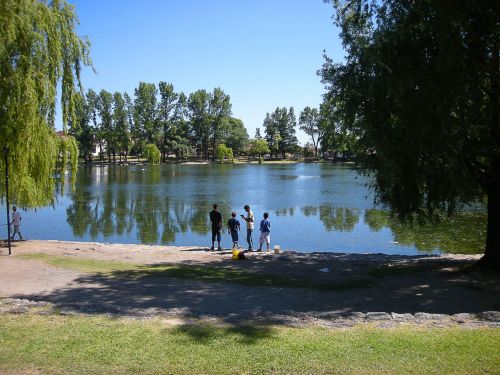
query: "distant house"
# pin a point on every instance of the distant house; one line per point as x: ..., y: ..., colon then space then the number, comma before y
x: 97, y: 148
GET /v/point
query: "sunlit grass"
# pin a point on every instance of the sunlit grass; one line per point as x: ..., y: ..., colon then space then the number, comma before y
x: 96, y: 345
x: 80, y: 264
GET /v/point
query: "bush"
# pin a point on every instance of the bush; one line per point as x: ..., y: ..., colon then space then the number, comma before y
x: 223, y: 151
x: 152, y: 153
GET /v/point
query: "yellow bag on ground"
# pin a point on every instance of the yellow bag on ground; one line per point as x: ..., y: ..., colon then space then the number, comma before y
x: 236, y: 253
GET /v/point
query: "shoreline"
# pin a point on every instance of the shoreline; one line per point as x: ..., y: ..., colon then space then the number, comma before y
x: 329, y: 289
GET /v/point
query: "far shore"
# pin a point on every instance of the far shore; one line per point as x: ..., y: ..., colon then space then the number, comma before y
x: 187, y: 281
x: 135, y: 161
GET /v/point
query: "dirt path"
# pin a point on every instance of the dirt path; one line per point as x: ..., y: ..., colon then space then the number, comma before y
x: 416, y: 285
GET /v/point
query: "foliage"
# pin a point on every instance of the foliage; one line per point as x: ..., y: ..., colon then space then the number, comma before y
x: 39, y: 49
x: 152, y: 153
x: 161, y: 116
x: 67, y: 149
x: 308, y: 152
x: 309, y: 122
x: 145, y: 113
x: 120, y: 125
x: 259, y: 147
x: 257, y: 134
x: 280, y: 130
x: 420, y: 86
x: 235, y: 135
x: 199, y: 118
x: 223, y: 152
x: 81, y: 128
x: 106, y: 127
x: 219, y: 111
x: 337, y: 137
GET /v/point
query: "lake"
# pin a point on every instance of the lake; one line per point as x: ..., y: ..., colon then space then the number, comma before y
x: 312, y: 207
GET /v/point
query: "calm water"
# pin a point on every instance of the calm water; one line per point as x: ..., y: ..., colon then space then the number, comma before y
x: 312, y: 207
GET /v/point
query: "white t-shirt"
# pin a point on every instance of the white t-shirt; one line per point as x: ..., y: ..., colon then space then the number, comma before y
x: 250, y: 223
x: 16, y: 218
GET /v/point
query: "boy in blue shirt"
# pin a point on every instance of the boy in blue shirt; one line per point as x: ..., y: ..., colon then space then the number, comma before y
x: 265, y: 232
x: 233, y: 227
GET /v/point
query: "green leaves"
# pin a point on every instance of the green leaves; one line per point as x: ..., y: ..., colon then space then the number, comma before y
x: 39, y: 49
x: 420, y: 86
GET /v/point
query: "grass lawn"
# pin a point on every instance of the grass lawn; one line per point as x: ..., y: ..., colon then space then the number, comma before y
x: 182, y: 271
x: 97, y: 345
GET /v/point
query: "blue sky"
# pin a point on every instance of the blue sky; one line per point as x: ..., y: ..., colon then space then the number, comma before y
x: 264, y: 54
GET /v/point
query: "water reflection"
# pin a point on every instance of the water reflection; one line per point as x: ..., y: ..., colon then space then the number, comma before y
x: 127, y: 206
x: 170, y: 205
x: 463, y: 233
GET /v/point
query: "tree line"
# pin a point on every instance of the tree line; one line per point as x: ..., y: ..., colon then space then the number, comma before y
x: 157, y: 120
x: 156, y: 116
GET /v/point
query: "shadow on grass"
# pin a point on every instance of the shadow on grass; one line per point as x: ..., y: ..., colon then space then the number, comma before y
x: 260, y: 288
x: 204, y: 333
x: 238, y: 276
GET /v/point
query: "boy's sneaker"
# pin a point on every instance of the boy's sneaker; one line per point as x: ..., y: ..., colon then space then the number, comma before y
x: 219, y: 248
x: 212, y: 248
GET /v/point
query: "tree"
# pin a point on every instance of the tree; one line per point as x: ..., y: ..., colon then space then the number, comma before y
x: 420, y: 85
x: 219, y: 111
x: 146, y: 113
x: 134, y: 132
x: 121, y: 129
x: 152, y: 153
x: 106, y: 127
x: 223, y: 151
x: 280, y: 130
x: 235, y: 135
x: 92, y: 103
x: 80, y: 127
x: 257, y: 134
x: 167, y: 109
x: 259, y: 147
x: 39, y: 50
x: 199, y: 119
x: 309, y: 121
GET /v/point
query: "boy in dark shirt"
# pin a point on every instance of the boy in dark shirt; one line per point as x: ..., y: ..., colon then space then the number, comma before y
x: 233, y: 227
x: 216, y: 219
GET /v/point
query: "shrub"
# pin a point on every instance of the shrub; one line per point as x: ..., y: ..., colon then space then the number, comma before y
x: 152, y: 153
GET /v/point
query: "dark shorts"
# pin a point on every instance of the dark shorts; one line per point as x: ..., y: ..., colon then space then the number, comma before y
x: 234, y: 235
x: 216, y: 234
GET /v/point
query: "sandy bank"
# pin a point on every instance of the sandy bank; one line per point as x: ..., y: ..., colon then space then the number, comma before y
x: 411, y: 285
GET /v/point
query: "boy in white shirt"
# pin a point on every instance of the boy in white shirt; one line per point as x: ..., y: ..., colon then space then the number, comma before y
x: 16, y: 220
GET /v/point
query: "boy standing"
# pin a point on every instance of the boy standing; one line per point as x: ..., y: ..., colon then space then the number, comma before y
x: 216, y: 219
x: 265, y: 232
x: 233, y: 227
x: 249, y: 220
x: 16, y: 220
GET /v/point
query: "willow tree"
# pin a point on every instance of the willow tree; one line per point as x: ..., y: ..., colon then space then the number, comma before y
x: 39, y: 50
x: 420, y: 85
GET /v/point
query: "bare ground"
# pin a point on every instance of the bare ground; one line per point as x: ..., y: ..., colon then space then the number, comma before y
x: 400, y: 287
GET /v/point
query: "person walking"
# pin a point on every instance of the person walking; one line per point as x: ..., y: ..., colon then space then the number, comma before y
x: 249, y: 219
x: 216, y: 219
x: 265, y: 232
x: 16, y: 221
x: 233, y: 227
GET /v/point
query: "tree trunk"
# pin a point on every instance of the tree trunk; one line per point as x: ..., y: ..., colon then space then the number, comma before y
x: 491, y: 257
